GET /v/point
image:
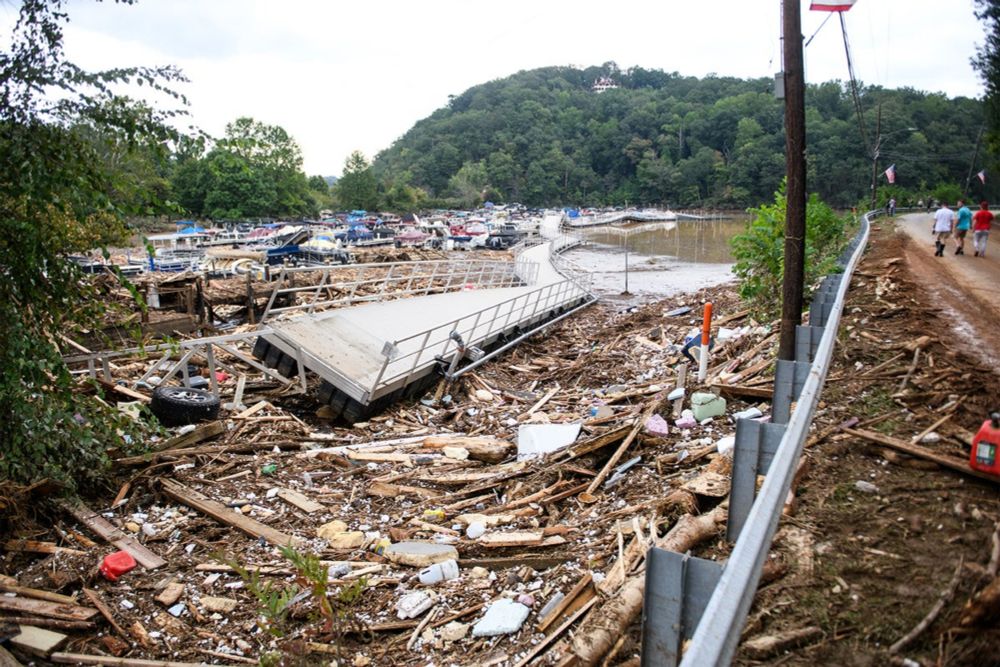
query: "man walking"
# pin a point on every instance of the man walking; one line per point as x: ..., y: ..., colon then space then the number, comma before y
x: 943, y: 219
x: 981, y: 223
x: 962, y: 227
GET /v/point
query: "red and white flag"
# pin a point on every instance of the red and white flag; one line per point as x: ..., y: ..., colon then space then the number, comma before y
x: 890, y: 173
x: 831, y: 5
x: 982, y: 176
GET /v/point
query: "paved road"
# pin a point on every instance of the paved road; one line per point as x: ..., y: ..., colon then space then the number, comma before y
x: 967, y: 287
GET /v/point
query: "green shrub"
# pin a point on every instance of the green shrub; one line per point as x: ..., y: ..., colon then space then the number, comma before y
x: 760, y: 250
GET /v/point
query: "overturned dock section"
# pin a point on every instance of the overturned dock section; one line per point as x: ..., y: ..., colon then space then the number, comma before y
x: 441, y: 317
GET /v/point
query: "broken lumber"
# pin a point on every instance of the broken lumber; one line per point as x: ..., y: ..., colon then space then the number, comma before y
x: 106, y: 531
x: 67, y: 612
x: 766, y: 646
x: 98, y: 602
x: 303, y: 503
x: 200, y: 434
x: 223, y: 514
x: 587, y: 496
x: 737, y: 390
x: 108, y: 661
x: 34, y: 546
x: 386, y: 490
x: 9, y: 585
x: 958, y: 465
x: 489, y: 450
x: 600, y: 631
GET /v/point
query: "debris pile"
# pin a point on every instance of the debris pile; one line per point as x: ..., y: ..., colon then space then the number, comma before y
x: 483, y: 521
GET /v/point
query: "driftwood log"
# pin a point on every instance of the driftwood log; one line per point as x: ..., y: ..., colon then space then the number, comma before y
x: 602, y: 628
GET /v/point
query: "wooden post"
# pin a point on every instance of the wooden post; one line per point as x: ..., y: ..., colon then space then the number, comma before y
x: 795, y: 170
x: 251, y: 315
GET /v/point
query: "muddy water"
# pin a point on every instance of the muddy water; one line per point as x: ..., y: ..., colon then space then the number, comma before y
x: 662, y: 258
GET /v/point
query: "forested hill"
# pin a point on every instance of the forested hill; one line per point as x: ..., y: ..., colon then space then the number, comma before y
x: 544, y: 137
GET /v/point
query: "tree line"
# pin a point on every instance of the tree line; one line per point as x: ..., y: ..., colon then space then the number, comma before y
x: 544, y: 137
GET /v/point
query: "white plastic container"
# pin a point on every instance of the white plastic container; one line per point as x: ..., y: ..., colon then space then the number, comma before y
x: 439, y: 572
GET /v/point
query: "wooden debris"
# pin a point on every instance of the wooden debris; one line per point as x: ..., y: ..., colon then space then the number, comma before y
x: 953, y: 463
x: 386, y: 490
x: 102, y: 528
x: 69, y: 612
x: 199, y: 434
x: 557, y: 612
x: 98, y: 602
x: 85, y: 659
x: 34, y: 546
x: 171, y: 594
x: 488, y: 450
x: 601, y: 630
x: 587, y: 496
x: 9, y: 585
x: 221, y: 513
x: 520, y: 538
x: 762, y: 647
x: 305, y: 504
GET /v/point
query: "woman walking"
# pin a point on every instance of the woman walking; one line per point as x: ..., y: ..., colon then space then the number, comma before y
x: 981, y: 223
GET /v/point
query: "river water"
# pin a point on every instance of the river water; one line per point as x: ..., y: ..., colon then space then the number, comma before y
x: 662, y: 258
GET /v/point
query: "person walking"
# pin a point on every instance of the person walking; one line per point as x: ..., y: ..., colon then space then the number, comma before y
x: 944, y: 217
x: 981, y: 223
x: 892, y: 207
x: 962, y: 227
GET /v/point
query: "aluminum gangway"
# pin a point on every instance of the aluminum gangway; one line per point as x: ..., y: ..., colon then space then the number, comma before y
x: 443, y: 318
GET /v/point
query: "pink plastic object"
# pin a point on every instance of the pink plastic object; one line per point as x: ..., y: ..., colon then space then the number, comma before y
x: 117, y: 564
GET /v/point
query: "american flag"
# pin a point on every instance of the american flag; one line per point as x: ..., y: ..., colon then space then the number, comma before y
x: 982, y: 176
x: 831, y: 5
x: 890, y: 173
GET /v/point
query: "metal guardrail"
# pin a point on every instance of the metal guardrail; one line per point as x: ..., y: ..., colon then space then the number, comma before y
x: 717, y: 635
x: 390, y: 280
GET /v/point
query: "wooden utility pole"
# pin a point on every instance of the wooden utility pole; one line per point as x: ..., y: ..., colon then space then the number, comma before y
x: 795, y: 170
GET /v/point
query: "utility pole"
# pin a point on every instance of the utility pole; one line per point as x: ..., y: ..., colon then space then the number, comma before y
x: 875, y: 155
x: 795, y: 170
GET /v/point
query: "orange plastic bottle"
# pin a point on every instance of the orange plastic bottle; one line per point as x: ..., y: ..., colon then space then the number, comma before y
x: 983, y: 456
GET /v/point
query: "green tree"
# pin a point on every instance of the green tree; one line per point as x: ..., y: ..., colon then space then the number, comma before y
x: 66, y: 138
x: 358, y: 187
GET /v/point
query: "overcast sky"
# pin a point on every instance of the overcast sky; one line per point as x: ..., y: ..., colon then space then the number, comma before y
x: 340, y: 76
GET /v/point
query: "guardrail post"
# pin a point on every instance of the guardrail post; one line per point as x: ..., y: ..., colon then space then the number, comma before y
x: 806, y: 341
x: 789, y: 378
x: 756, y: 443
x: 678, y: 588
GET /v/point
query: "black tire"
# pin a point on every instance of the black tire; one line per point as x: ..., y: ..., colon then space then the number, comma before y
x: 179, y: 406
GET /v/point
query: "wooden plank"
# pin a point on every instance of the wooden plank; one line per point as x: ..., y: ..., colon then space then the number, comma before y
x: 8, y: 660
x: 541, y: 646
x: 520, y: 538
x: 385, y: 490
x: 741, y: 390
x: 221, y: 513
x: 381, y: 457
x: 97, y: 601
x: 200, y: 434
x: 9, y: 585
x: 69, y: 612
x: 101, y: 527
x: 956, y: 464
x: 305, y: 504
x: 170, y: 594
x: 565, y: 602
x: 37, y: 641
x: 34, y: 546
x: 108, y: 661
x: 124, y: 391
x: 603, y: 440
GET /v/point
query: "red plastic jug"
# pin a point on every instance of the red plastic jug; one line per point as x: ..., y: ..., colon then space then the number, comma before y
x: 984, y: 446
x: 117, y: 564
